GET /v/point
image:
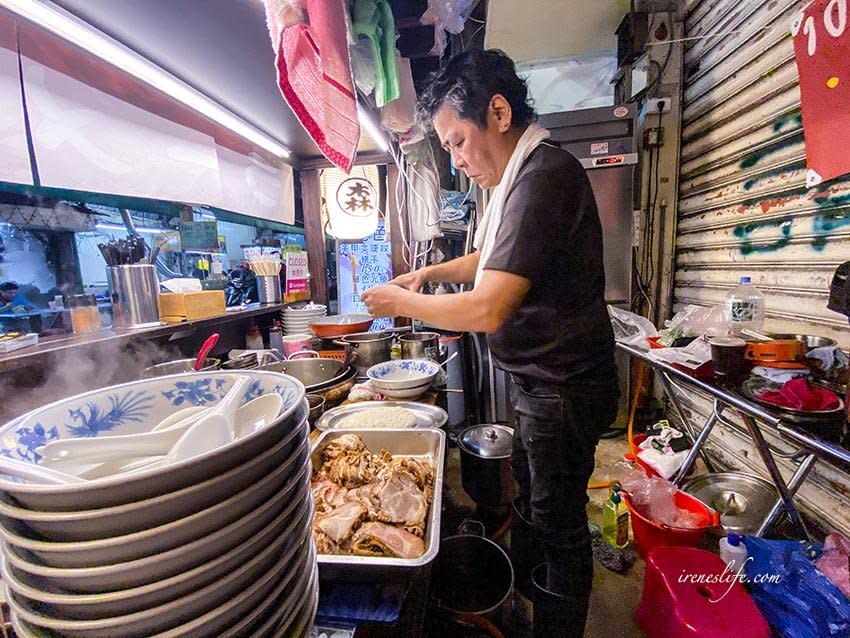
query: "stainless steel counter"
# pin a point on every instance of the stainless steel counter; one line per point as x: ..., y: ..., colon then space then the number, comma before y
x: 55, y: 345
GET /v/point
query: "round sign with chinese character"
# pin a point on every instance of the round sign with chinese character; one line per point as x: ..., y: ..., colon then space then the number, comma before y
x: 357, y: 197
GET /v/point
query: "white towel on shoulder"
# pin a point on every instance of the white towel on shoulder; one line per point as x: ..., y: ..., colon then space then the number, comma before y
x: 485, y: 236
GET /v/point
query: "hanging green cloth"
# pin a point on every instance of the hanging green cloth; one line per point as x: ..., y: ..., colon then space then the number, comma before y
x: 374, y: 20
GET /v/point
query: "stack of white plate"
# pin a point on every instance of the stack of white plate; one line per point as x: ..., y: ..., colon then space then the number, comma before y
x: 217, y: 545
x: 297, y: 320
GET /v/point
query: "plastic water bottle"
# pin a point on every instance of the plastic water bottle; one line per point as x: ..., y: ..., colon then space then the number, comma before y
x: 744, y: 307
x: 733, y: 551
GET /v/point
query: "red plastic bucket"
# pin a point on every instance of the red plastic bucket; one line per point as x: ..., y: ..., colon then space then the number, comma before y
x: 649, y: 534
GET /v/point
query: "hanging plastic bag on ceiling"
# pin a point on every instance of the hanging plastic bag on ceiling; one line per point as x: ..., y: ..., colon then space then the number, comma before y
x: 399, y: 116
x: 374, y: 20
x: 363, y: 65
x: 448, y: 14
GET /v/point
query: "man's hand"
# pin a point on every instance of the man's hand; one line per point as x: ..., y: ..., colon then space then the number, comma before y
x: 411, y: 281
x: 385, y: 301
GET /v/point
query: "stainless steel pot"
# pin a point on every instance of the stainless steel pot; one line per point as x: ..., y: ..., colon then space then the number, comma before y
x: 179, y: 366
x: 811, y: 341
x: 420, y: 345
x: 485, y: 463
x: 365, y: 349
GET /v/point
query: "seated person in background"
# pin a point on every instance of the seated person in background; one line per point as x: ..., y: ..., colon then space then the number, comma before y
x: 11, y: 301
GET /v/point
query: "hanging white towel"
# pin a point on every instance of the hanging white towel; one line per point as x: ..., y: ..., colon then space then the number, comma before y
x: 485, y: 236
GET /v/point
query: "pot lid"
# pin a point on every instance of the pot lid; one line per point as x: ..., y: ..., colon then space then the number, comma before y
x: 742, y: 500
x: 488, y: 441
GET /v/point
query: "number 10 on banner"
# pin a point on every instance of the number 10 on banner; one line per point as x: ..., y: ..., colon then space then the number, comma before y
x: 834, y: 18
x: 822, y: 50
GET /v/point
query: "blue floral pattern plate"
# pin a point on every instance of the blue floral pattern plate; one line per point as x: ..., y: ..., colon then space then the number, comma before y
x: 134, y: 407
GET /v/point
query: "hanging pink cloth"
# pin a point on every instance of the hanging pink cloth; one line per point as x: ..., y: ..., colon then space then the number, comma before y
x: 310, y: 38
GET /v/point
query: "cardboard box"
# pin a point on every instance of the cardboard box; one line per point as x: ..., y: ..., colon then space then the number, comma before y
x: 175, y: 307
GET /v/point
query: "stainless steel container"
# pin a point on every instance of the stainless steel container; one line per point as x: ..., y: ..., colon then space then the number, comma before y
x: 135, y: 290
x: 268, y: 288
x: 420, y: 345
x: 485, y: 463
x: 365, y: 349
x: 179, y: 366
x: 423, y: 443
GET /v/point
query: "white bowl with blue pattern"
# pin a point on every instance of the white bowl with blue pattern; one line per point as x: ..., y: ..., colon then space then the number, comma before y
x: 131, y: 408
x: 403, y: 374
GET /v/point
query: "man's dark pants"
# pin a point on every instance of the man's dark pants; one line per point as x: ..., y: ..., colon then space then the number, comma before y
x: 556, y: 430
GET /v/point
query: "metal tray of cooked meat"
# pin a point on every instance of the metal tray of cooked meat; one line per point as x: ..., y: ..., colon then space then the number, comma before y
x: 427, y: 416
x: 421, y: 443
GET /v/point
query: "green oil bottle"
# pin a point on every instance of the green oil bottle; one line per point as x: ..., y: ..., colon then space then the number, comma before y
x: 615, y: 521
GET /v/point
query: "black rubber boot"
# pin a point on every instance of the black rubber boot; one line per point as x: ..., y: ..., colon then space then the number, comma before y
x: 556, y: 615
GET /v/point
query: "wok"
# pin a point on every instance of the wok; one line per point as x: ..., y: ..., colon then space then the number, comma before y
x: 330, y: 378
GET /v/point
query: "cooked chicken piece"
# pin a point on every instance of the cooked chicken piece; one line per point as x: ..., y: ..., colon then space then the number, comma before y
x: 350, y: 470
x: 402, y: 501
x: 420, y: 469
x: 345, y: 444
x: 328, y: 495
x: 380, y: 539
x: 339, y: 523
x: 324, y: 544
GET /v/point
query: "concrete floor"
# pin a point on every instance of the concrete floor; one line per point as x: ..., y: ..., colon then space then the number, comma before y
x: 614, y: 598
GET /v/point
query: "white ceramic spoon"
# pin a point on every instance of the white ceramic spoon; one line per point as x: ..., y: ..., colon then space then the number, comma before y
x: 109, y: 448
x: 33, y: 473
x: 214, y: 429
x: 180, y: 415
x: 253, y: 416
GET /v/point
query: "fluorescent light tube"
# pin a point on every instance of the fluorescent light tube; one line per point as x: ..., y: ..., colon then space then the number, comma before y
x: 375, y: 132
x: 83, y: 35
x: 140, y: 229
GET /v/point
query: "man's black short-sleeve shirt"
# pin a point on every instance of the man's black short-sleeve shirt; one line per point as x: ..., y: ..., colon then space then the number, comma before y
x: 550, y: 234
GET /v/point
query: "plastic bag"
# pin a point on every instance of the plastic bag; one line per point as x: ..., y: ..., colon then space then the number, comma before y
x: 630, y: 328
x: 796, y: 599
x: 834, y: 563
x: 448, y: 14
x: 363, y: 65
x: 694, y: 321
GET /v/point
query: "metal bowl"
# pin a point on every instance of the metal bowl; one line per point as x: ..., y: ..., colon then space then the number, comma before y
x: 317, y: 406
x: 811, y: 341
x: 179, y: 366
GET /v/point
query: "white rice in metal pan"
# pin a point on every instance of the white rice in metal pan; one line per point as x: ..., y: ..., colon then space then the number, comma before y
x: 378, y: 417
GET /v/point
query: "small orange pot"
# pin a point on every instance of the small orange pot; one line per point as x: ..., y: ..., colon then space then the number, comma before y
x: 775, y: 351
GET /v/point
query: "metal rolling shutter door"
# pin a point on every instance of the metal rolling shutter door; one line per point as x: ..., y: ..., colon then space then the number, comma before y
x: 744, y: 208
x: 743, y: 205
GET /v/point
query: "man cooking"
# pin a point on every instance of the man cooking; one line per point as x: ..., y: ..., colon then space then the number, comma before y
x: 539, y: 296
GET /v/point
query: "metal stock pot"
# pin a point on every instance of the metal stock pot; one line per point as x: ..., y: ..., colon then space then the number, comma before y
x: 365, y: 349
x: 485, y: 463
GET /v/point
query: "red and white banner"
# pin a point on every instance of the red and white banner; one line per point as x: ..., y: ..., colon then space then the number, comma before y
x: 822, y: 48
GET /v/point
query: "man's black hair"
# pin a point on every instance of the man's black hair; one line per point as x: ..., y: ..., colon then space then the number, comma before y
x: 468, y: 82
x: 8, y: 285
